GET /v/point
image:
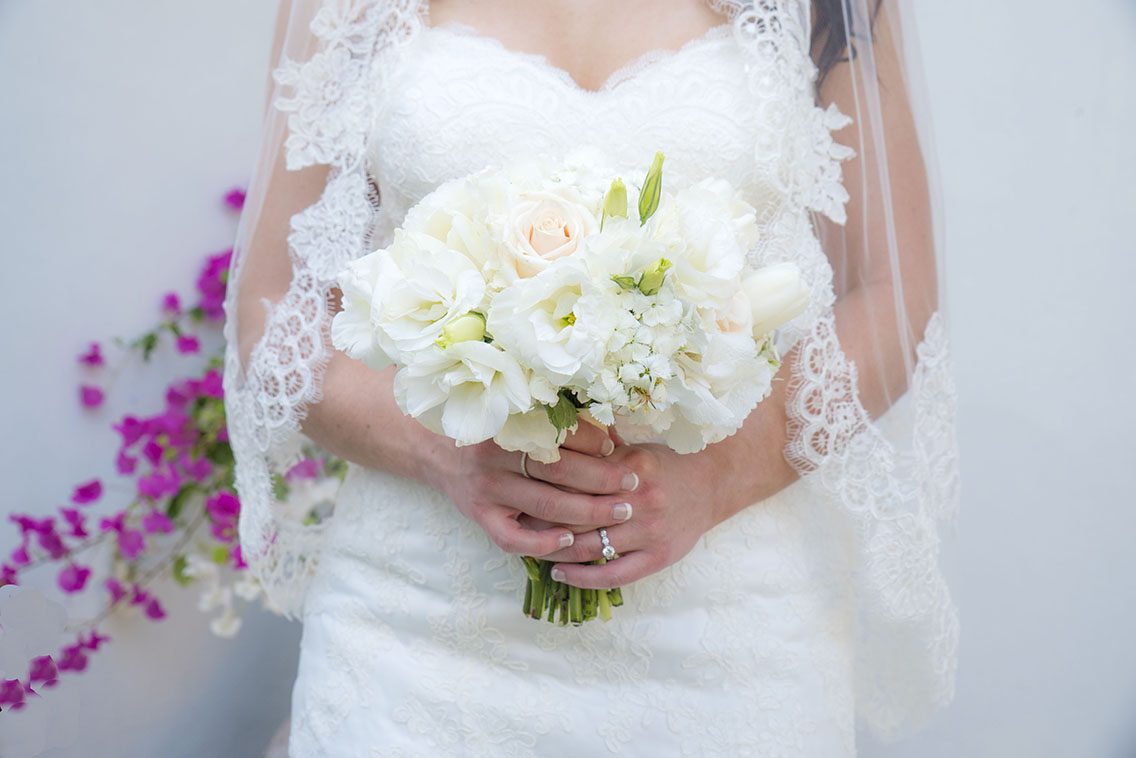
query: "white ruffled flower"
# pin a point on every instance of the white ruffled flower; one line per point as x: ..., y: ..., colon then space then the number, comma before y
x: 465, y: 391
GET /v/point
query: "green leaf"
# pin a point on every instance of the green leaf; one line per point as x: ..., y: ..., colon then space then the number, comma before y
x: 563, y: 414
x: 180, y: 564
x: 221, y: 555
x: 177, y: 502
x: 220, y: 453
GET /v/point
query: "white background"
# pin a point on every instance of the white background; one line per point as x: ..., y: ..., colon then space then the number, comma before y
x: 122, y: 122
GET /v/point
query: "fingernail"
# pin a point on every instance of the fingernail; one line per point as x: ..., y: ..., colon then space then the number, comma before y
x: 566, y: 540
x: 558, y: 575
x: 608, y: 448
x: 621, y: 512
x: 630, y: 482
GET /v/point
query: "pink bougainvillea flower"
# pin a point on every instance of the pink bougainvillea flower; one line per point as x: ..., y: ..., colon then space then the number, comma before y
x: 238, y: 559
x: 212, y: 385
x: 72, y: 659
x: 116, y: 590
x: 8, y: 575
x: 235, y: 199
x: 158, y: 484
x: 224, y: 531
x: 223, y: 506
x: 87, y: 493
x: 73, y: 578
x: 131, y: 430
x: 131, y: 543
x: 175, y: 425
x: 50, y: 540
x: 93, y: 356
x: 197, y: 469
x: 308, y: 468
x: 187, y: 344
x: 223, y: 434
x: 154, y: 609
x: 91, y: 396
x: 153, y: 452
x: 211, y: 285
x: 94, y: 641
x: 171, y: 304
x: 156, y: 521
x: 179, y: 394
x: 125, y: 464
x: 11, y: 693
x: 42, y: 669
x: 77, y: 521
x: 20, y: 555
x: 114, y: 524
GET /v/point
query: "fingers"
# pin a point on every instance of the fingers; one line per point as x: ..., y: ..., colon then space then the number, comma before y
x: 617, y: 573
x: 554, y: 505
x: 583, y: 472
x: 510, y: 536
x: 625, y: 538
x: 589, y: 439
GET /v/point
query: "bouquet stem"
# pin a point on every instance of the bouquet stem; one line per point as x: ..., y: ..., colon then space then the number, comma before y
x: 561, y: 603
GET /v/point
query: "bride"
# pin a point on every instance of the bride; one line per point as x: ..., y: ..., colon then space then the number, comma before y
x: 779, y: 585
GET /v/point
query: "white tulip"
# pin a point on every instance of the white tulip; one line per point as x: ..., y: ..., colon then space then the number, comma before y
x: 777, y: 295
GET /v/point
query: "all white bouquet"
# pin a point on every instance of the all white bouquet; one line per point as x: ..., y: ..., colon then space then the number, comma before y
x: 514, y: 298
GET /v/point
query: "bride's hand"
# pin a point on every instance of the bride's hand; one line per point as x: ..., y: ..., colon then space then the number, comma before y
x: 673, y: 507
x: 487, y: 486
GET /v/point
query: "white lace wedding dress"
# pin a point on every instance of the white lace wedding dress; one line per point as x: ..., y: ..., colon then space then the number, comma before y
x: 414, y: 643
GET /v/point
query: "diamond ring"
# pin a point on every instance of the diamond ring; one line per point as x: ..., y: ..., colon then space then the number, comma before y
x: 609, y: 553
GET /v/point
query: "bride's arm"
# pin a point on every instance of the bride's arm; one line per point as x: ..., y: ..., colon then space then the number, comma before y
x: 682, y: 496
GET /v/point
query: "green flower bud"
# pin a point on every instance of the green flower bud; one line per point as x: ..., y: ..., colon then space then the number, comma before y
x: 652, y: 190
x: 652, y: 278
x: 471, y: 326
x: 615, y: 201
x: 624, y: 282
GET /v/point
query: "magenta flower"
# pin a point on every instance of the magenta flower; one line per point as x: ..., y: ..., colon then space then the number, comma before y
x: 94, y: 642
x: 20, y: 555
x: 224, y: 531
x: 87, y: 493
x: 77, y: 521
x: 50, y: 540
x: 171, y: 305
x: 43, y: 669
x: 197, y: 469
x: 131, y: 543
x: 212, y: 385
x: 91, y: 396
x: 153, y: 452
x: 116, y: 590
x: 223, y: 506
x: 115, y: 524
x: 308, y: 468
x: 238, y: 559
x: 187, y: 344
x: 93, y: 356
x: 131, y: 430
x: 11, y: 693
x: 156, y: 521
x: 73, y: 578
x: 157, y: 484
x: 73, y: 658
x: 125, y: 463
x: 154, y: 609
x: 211, y: 285
x: 8, y: 575
x: 235, y: 199
x: 223, y: 434
x: 179, y: 394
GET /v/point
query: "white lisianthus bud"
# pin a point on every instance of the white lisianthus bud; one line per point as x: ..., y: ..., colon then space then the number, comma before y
x: 652, y: 189
x: 615, y: 201
x: 777, y: 295
x: 471, y: 326
x: 653, y: 277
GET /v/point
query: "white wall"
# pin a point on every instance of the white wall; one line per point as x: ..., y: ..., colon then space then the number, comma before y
x: 121, y: 122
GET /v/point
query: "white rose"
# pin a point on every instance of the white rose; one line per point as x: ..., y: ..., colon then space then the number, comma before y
x: 541, y: 227
x: 456, y: 213
x: 466, y: 391
x: 421, y: 286
x: 777, y: 295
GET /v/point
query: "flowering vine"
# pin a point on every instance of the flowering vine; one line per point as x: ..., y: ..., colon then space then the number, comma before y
x: 181, y: 516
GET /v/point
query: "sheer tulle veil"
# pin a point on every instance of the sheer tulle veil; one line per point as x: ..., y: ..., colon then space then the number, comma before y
x: 871, y: 401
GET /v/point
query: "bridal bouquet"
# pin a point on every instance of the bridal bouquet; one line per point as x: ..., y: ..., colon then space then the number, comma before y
x: 516, y: 298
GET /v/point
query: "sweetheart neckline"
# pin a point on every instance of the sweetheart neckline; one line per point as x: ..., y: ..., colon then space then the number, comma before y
x: 628, y: 72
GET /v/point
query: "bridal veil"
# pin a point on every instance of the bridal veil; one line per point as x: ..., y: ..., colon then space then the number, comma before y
x: 871, y: 401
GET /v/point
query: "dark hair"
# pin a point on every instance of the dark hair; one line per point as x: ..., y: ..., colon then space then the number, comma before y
x: 830, y: 35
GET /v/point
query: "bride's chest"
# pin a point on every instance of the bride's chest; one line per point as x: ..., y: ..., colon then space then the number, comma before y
x: 460, y: 102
